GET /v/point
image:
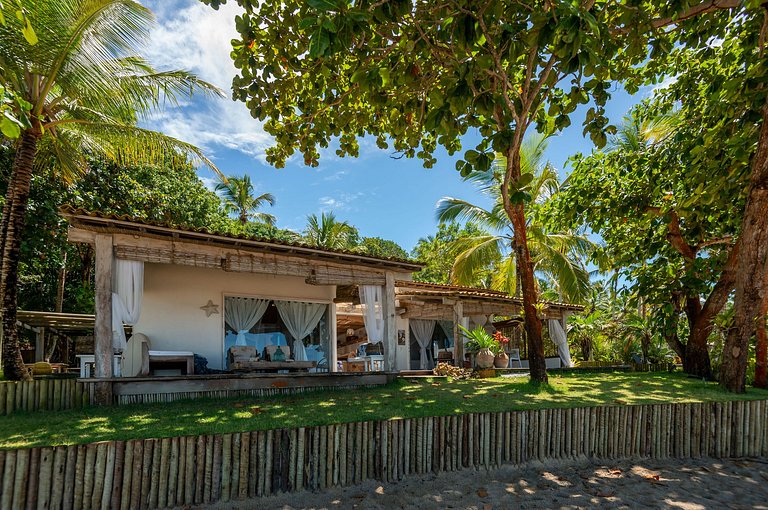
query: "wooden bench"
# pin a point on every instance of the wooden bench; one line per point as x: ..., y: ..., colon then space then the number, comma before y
x: 153, y: 359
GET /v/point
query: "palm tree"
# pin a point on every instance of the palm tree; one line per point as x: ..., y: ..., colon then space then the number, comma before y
x: 327, y: 232
x: 237, y: 193
x: 85, y: 91
x: 557, y: 256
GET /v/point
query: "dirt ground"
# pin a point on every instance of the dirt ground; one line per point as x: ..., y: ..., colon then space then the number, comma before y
x: 677, y: 484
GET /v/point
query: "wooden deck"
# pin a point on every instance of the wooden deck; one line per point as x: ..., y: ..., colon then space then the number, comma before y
x: 134, y: 390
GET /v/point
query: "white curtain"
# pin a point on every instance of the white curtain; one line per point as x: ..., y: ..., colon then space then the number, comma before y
x: 422, y: 332
x: 128, y: 287
x: 373, y: 315
x: 300, y: 319
x: 242, y: 313
x: 557, y: 333
x: 447, y: 327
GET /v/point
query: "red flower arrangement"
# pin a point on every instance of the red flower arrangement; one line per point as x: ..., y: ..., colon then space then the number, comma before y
x: 501, y: 342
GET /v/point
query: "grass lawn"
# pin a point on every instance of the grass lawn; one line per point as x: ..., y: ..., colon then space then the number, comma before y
x: 401, y: 399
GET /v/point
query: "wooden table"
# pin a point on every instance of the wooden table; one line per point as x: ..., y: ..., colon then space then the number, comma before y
x: 272, y: 366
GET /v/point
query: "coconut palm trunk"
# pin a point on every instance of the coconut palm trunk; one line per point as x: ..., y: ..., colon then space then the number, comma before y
x: 14, y: 217
x: 516, y: 214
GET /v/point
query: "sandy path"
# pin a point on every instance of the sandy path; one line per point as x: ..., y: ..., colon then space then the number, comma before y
x: 692, y: 484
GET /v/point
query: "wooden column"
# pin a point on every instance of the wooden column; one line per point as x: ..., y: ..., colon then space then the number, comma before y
x: 390, y: 324
x: 333, y: 354
x: 103, y: 333
x: 39, y: 344
x: 458, y: 335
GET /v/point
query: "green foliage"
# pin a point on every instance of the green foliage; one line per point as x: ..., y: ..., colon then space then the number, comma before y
x: 89, y: 86
x: 378, y: 247
x: 558, y: 256
x: 439, y: 251
x: 240, y: 200
x: 171, y: 195
x: 321, y: 70
x: 478, y: 339
x: 328, y: 232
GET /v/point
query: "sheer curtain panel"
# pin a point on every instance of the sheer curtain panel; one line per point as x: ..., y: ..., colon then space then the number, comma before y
x: 128, y: 286
x: 422, y: 332
x: 557, y: 333
x: 300, y: 318
x: 373, y: 315
x: 242, y: 313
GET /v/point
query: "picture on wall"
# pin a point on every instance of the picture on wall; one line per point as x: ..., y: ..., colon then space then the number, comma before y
x: 400, y: 337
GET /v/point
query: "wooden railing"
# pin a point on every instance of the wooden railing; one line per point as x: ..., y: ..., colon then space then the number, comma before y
x: 160, y: 473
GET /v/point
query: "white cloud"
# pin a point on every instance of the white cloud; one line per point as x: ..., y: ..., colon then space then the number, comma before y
x: 344, y: 202
x: 195, y: 37
x: 209, y: 182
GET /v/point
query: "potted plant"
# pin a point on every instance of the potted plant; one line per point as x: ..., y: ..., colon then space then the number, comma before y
x: 481, y: 344
x: 501, y: 359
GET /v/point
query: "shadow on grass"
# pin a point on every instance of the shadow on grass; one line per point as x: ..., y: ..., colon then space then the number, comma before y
x: 400, y: 399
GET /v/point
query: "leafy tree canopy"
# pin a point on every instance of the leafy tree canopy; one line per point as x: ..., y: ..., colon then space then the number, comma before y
x: 378, y: 247
x: 440, y: 250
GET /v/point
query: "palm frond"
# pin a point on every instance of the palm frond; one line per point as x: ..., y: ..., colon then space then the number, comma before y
x: 474, y: 254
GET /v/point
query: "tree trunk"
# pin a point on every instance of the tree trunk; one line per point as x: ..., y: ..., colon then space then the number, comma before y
x: 14, y: 216
x: 696, y: 361
x: 516, y: 214
x: 749, y: 279
x: 761, y: 346
x: 62, y: 280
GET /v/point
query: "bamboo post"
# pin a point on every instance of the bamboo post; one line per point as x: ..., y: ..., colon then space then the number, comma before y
x: 21, y: 478
x: 200, y: 464
x: 9, y: 477
x: 70, y: 478
x: 218, y: 443
x: 155, y: 478
x: 189, y: 472
x: 33, y: 478
x: 103, y: 488
x: 117, y: 475
x: 99, y: 470
x: 182, y: 469
x: 136, y: 469
x: 58, y: 477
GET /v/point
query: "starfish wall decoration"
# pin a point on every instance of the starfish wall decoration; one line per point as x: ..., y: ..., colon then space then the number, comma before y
x: 210, y: 308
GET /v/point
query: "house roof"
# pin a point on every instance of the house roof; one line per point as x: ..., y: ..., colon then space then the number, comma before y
x: 436, y: 290
x: 113, y: 223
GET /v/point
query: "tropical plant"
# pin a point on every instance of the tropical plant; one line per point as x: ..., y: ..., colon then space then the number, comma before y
x: 478, y: 339
x: 638, y: 329
x: 559, y: 257
x: 240, y: 201
x: 584, y: 330
x: 328, y: 232
x: 87, y: 88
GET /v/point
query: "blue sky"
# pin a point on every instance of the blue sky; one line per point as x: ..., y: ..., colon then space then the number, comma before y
x: 381, y: 196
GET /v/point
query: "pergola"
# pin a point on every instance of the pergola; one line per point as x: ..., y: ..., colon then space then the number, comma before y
x: 56, y: 322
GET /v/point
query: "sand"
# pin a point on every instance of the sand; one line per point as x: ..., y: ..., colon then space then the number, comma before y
x: 679, y: 484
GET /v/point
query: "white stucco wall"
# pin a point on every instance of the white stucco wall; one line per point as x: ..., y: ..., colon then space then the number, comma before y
x: 171, y: 316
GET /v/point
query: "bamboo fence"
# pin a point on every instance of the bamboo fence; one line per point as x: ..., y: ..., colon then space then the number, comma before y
x: 44, y: 394
x: 182, y: 471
